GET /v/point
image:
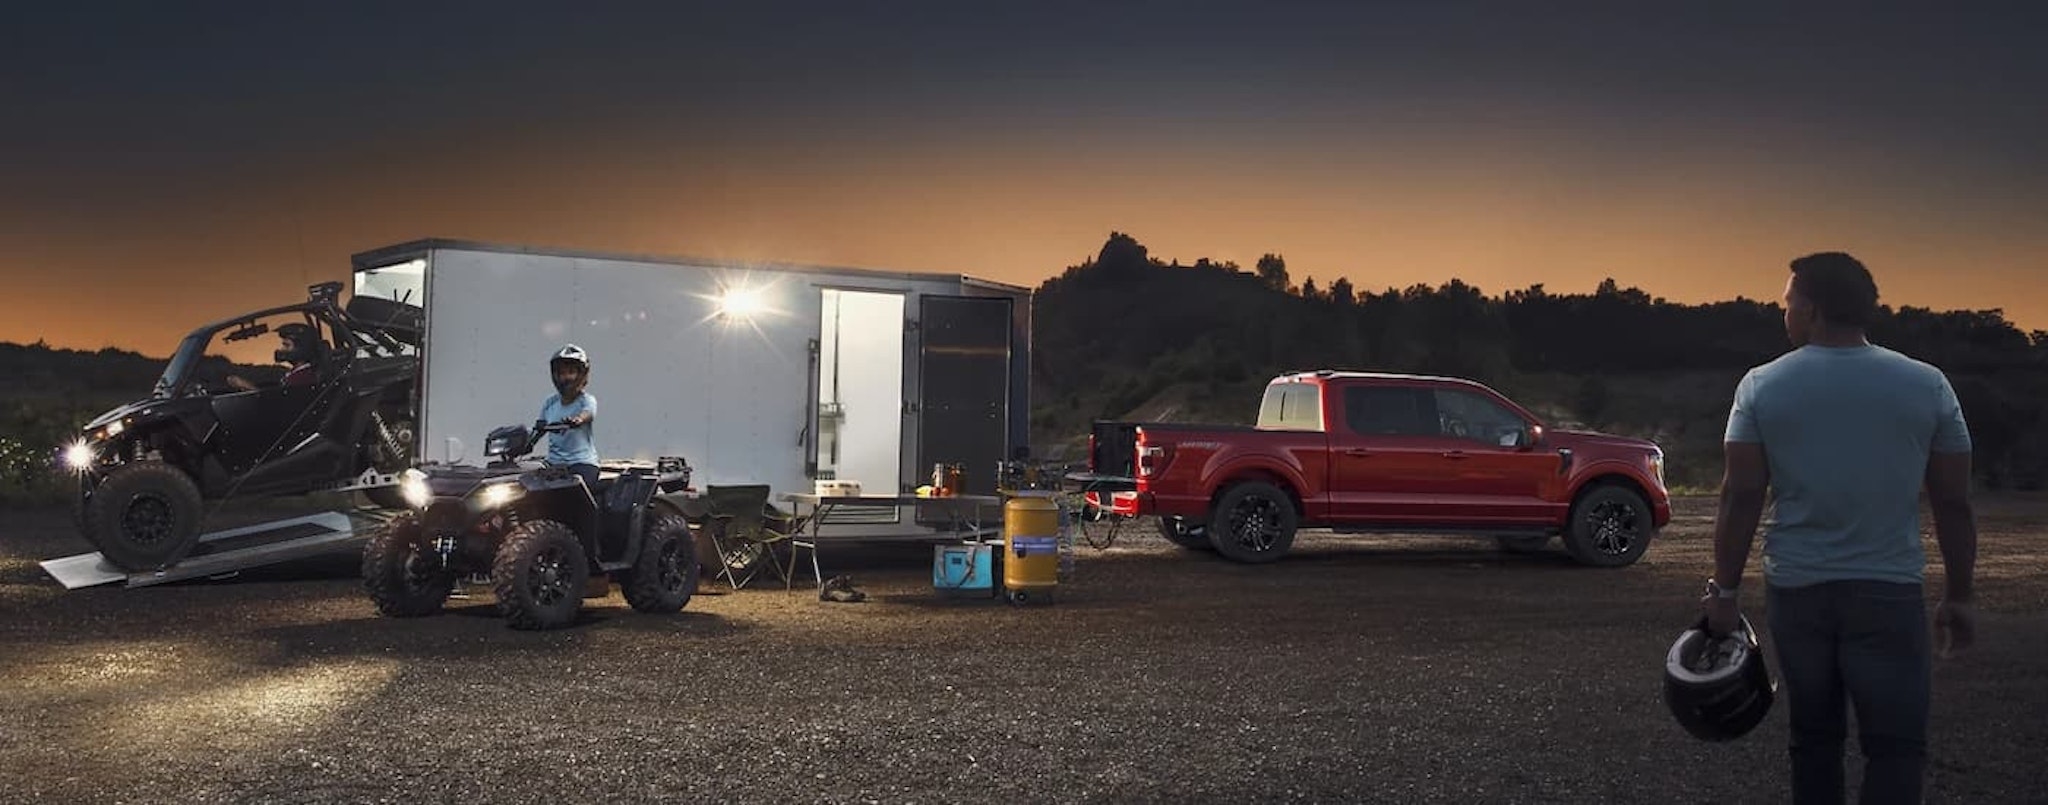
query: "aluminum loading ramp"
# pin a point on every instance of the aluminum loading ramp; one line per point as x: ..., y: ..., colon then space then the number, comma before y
x: 232, y: 550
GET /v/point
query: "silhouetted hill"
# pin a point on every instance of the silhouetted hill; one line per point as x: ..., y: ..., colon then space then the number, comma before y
x: 1127, y: 335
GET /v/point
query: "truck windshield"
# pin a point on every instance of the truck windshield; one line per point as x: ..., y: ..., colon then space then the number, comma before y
x: 1292, y: 406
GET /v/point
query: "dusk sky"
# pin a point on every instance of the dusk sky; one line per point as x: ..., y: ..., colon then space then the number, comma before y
x: 167, y: 163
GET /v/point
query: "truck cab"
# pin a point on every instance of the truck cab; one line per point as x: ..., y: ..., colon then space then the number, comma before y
x: 1389, y: 453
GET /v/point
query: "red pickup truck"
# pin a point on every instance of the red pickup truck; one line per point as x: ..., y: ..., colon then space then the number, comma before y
x: 1389, y: 453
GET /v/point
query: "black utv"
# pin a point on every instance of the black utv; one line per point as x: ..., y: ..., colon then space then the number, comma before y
x: 538, y: 532
x: 220, y: 424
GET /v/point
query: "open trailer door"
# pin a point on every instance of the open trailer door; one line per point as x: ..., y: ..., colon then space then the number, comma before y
x: 964, y: 386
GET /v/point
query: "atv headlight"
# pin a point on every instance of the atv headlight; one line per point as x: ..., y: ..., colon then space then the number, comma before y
x: 413, y: 486
x: 497, y: 495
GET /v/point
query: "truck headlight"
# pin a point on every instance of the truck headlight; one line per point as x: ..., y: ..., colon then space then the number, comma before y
x: 497, y: 495
x: 1657, y: 467
x: 79, y: 455
x: 414, y: 488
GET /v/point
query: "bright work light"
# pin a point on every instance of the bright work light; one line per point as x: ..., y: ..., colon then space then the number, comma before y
x: 740, y: 303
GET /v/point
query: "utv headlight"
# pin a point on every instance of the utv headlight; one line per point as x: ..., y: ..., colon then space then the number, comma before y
x: 413, y: 486
x: 79, y: 455
x: 497, y: 495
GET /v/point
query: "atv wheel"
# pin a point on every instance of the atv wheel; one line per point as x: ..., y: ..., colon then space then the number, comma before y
x: 144, y: 516
x: 1610, y: 527
x: 665, y: 575
x: 1179, y: 531
x: 402, y: 576
x: 539, y: 575
x: 1254, y: 522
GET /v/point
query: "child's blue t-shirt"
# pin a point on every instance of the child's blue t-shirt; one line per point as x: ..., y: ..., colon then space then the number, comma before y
x: 575, y: 445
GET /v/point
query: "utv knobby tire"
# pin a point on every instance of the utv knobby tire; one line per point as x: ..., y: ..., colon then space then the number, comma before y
x: 664, y: 576
x: 539, y: 575
x: 1179, y: 531
x: 1254, y: 522
x: 1610, y: 527
x: 144, y: 516
x: 403, y: 578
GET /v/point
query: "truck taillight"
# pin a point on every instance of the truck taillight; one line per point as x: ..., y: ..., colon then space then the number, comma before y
x: 1091, y: 452
x: 1151, y: 458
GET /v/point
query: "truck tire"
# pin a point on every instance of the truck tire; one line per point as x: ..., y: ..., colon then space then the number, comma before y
x: 1253, y: 522
x: 665, y: 574
x: 1178, y: 531
x: 144, y: 516
x: 539, y: 575
x: 403, y: 578
x: 1610, y: 527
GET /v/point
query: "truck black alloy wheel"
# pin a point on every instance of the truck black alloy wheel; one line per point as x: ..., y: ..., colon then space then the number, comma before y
x: 665, y: 575
x: 402, y: 576
x: 539, y: 575
x: 1253, y: 522
x: 1610, y: 527
x: 1177, y: 531
x: 144, y: 516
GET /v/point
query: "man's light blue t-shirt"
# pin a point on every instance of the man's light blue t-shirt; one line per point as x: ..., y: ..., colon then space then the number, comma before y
x: 572, y: 446
x: 1847, y: 432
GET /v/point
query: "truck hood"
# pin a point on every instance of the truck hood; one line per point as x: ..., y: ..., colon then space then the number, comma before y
x: 1586, y: 438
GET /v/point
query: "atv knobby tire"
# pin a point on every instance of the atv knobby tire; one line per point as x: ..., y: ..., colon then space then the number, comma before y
x: 144, y: 516
x: 401, y: 574
x: 539, y: 575
x: 664, y: 576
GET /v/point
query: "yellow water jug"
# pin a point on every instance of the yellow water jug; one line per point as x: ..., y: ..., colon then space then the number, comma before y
x: 1031, y: 547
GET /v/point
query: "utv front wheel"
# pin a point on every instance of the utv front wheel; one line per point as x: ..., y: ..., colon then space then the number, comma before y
x: 1610, y: 527
x: 539, y: 575
x: 401, y: 574
x: 665, y: 575
x: 144, y: 516
x: 1254, y: 522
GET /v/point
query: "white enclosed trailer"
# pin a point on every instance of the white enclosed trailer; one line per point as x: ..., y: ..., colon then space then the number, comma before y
x: 756, y: 373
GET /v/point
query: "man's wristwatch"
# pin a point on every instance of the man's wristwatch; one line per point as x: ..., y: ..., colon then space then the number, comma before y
x: 1715, y: 589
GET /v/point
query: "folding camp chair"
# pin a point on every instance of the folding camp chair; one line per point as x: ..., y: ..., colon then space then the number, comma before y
x: 748, y: 533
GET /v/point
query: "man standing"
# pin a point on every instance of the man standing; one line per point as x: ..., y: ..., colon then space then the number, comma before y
x: 1843, y: 436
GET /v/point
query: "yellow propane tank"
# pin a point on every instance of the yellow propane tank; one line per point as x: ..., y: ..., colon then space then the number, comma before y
x: 1031, y: 547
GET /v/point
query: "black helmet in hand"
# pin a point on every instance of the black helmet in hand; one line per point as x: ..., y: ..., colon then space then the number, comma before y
x: 1718, y: 687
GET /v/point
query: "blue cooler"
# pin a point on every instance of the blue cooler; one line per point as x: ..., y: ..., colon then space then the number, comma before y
x: 964, y: 571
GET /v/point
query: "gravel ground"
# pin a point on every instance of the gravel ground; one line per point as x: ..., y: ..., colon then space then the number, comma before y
x: 1360, y: 669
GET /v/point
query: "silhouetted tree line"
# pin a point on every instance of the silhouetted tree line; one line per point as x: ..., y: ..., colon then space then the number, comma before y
x: 1111, y: 332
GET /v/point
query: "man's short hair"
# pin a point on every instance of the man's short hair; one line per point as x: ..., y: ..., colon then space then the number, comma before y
x: 1838, y: 286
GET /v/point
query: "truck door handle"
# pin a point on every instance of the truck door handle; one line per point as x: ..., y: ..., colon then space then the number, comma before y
x: 1454, y: 454
x: 1357, y: 451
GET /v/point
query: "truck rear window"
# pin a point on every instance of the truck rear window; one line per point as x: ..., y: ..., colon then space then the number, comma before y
x: 1292, y: 406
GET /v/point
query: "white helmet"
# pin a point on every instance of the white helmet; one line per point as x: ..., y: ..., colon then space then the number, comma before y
x: 571, y: 352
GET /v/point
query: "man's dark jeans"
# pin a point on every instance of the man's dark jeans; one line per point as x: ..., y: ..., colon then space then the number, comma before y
x: 1864, y: 642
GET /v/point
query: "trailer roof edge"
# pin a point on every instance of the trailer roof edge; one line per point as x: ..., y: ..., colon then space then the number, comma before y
x: 385, y: 254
